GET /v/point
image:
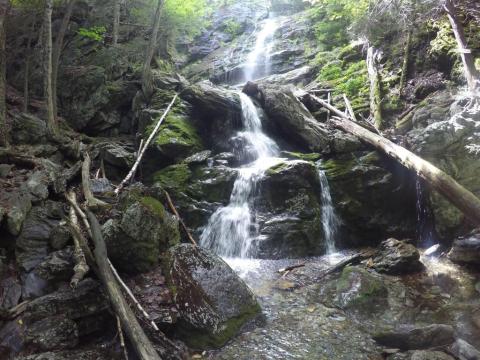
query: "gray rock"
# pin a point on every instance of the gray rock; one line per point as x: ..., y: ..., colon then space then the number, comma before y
x: 421, y: 355
x: 397, y: 257
x: 213, y: 302
x: 118, y: 156
x: 28, y: 129
x: 99, y: 353
x: 464, y: 351
x: 466, y: 249
x: 101, y: 186
x: 53, y: 333
x: 293, y: 120
x: 418, y: 337
x: 199, y: 157
x: 37, y: 184
x: 60, y: 236
x: 19, y: 204
x: 11, y: 292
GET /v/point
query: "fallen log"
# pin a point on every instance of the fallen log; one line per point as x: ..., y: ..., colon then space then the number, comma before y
x: 81, y: 267
x: 460, y: 197
x: 290, y: 268
x: 352, y: 260
x: 139, y: 340
x: 90, y: 200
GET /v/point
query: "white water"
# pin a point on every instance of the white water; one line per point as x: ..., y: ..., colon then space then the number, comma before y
x: 258, y: 60
x: 231, y: 230
x: 330, y: 221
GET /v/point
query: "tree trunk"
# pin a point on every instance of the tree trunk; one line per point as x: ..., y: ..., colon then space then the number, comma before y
x: 406, y: 58
x: 3, y: 75
x: 471, y: 73
x: 460, y: 197
x: 139, y: 340
x: 116, y: 21
x: 375, y: 88
x: 52, y: 125
x: 57, y: 50
x: 28, y: 57
x: 147, y: 81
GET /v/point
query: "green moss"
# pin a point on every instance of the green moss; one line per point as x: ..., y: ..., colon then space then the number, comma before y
x: 174, y: 177
x: 203, y: 340
x: 179, y: 132
x: 153, y: 205
x: 338, y: 167
x: 302, y: 156
x: 275, y: 169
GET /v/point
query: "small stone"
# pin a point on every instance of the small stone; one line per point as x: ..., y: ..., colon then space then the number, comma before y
x: 464, y: 351
x: 397, y: 257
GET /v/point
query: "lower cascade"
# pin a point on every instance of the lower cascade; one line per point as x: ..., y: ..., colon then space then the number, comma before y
x: 231, y: 229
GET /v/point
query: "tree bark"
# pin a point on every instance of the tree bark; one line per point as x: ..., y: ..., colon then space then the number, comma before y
x: 460, y: 197
x: 116, y: 21
x: 147, y: 81
x: 3, y: 75
x: 52, y: 125
x: 28, y: 57
x: 471, y: 73
x: 406, y: 58
x: 139, y: 340
x: 375, y: 88
x: 57, y: 50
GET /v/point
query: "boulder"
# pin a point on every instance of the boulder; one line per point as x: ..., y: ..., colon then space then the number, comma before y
x: 212, y: 301
x: 417, y: 338
x: 60, y: 236
x: 53, y: 333
x: 145, y: 230
x: 464, y: 351
x: 466, y: 249
x: 397, y: 257
x: 289, y: 212
x: 360, y: 290
x: 292, y: 119
x: 101, y: 186
x: 28, y: 129
x: 94, y: 353
x: 421, y: 355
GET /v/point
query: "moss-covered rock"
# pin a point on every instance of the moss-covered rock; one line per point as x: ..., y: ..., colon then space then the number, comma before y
x: 213, y: 302
x: 145, y: 230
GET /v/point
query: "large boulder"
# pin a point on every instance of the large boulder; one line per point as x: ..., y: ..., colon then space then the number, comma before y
x: 289, y: 212
x: 466, y: 249
x: 292, y: 119
x: 28, y: 129
x: 145, y: 229
x: 212, y: 301
x: 374, y: 197
x: 397, y: 257
x: 450, y: 140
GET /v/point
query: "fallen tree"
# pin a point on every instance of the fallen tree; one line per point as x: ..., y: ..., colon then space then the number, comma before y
x: 460, y: 197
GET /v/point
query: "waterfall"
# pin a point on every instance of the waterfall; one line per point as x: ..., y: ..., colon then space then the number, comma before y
x: 330, y: 221
x: 231, y: 230
x: 425, y: 223
x: 253, y: 68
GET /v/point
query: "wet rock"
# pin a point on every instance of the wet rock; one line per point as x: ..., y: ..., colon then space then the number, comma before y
x: 213, y: 302
x: 359, y: 290
x: 293, y: 120
x: 118, y: 156
x: 37, y: 184
x: 135, y: 242
x: 464, y: 351
x: 99, y: 353
x: 397, y: 257
x: 417, y: 337
x: 373, y: 196
x: 198, y: 158
x: 59, y: 236
x: 289, y: 211
x: 466, y: 250
x: 53, y: 333
x: 28, y: 129
x: 101, y: 186
x: 33, y: 243
x: 10, y: 293
x: 421, y: 355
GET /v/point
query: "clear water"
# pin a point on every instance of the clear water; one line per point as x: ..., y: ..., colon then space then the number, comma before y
x: 231, y: 230
x: 330, y: 220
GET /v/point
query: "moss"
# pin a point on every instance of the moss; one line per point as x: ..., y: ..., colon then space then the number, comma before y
x: 153, y: 205
x: 338, y: 167
x: 174, y: 177
x: 302, y: 156
x: 178, y: 132
x: 203, y: 340
x: 276, y: 169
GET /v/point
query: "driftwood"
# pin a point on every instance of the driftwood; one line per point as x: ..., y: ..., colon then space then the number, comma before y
x: 81, y: 268
x: 354, y: 259
x: 145, y: 146
x: 139, y: 340
x: 463, y: 199
x: 349, y: 107
x: 290, y: 268
x: 122, y: 339
x: 91, y: 201
x: 175, y: 212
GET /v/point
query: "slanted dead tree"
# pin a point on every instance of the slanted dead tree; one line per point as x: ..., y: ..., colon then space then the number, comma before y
x: 375, y: 87
x: 471, y: 73
x: 463, y: 199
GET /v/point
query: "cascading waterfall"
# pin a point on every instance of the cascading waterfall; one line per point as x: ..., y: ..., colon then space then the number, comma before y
x: 425, y: 226
x: 230, y: 231
x: 330, y: 221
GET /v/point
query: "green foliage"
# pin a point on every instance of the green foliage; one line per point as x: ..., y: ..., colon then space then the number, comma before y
x: 96, y: 33
x: 444, y: 42
x: 232, y: 27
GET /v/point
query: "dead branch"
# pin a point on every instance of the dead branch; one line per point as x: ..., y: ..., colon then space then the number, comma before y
x: 90, y: 200
x: 132, y: 297
x: 354, y: 259
x: 144, y: 148
x: 135, y: 333
x: 175, y: 212
x: 349, y: 107
x: 122, y: 339
x: 290, y: 268
x: 81, y: 268
x: 72, y: 200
